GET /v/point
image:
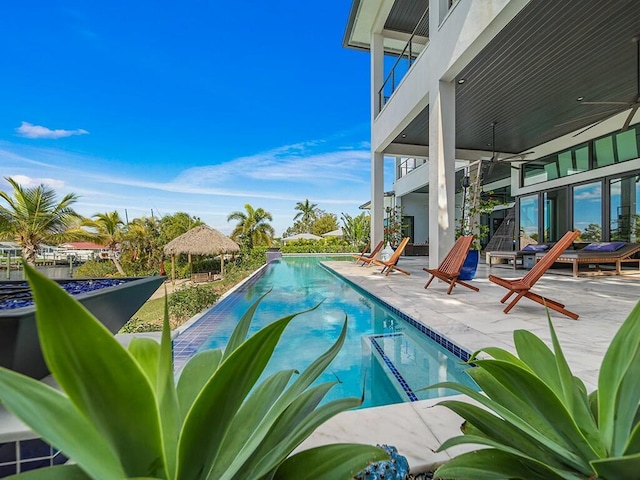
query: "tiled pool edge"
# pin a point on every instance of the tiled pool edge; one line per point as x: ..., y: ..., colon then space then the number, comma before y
x: 411, y: 396
x: 437, y: 337
x: 186, y: 343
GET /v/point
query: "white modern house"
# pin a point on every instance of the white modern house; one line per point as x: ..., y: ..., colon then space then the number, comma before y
x: 455, y: 82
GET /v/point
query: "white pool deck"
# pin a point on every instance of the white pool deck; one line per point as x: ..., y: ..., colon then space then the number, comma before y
x: 474, y: 320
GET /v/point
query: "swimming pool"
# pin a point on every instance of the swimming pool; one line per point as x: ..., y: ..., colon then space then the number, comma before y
x: 386, y: 353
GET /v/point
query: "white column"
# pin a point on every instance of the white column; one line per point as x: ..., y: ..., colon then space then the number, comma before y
x: 377, y: 158
x: 377, y: 198
x: 442, y: 121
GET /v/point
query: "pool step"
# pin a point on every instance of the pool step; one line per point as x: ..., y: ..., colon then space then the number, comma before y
x: 409, y: 366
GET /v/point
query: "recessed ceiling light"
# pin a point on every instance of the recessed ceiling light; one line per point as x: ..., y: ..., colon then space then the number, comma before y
x: 461, y: 81
x: 404, y: 135
x: 580, y: 99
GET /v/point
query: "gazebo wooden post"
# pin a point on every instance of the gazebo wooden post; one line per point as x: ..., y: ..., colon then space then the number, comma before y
x: 173, y: 269
x: 222, y: 265
x: 190, y: 266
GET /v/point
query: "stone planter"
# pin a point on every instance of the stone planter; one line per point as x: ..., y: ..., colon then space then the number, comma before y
x: 113, y: 306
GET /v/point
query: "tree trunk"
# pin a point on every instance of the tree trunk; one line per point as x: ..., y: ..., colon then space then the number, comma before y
x: 29, y: 254
x: 116, y: 262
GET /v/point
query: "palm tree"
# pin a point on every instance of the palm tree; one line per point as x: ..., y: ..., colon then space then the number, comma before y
x: 306, y: 213
x: 109, y: 227
x: 252, y: 228
x: 32, y: 218
x: 356, y: 229
x: 142, y: 240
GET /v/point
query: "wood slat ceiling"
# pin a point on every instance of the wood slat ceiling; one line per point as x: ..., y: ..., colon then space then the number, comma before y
x: 529, y: 77
x: 404, y: 16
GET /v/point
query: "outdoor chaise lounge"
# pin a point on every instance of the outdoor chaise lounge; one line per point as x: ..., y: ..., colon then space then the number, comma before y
x: 449, y: 268
x: 390, y: 265
x: 522, y: 286
x: 367, y: 259
x: 517, y: 257
x: 601, y: 253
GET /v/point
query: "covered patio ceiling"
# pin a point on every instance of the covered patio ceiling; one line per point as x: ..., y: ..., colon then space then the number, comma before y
x: 530, y: 76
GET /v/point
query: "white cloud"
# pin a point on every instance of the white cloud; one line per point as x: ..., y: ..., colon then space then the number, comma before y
x: 29, y: 130
x: 291, y: 163
x: 29, y: 182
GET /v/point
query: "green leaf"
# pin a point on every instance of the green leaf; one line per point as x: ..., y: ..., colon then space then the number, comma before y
x: 491, y: 464
x: 170, y: 417
x: 501, y: 432
x: 550, y: 471
x: 330, y: 462
x: 242, y: 328
x: 246, y: 422
x: 516, y: 412
x: 310, y: 374
x: 531, y: 390
x: 626, y: 467
x: 620, y: 354
x: 538, y: 358
x: 66, y: 472
x: 627, y: 405
x: 53, y: 416
x: 146, y: 352
x: 498, y: 354
x: 195, y: 375
x: 212, y: 412
x: 79, y: 350
x: 303, y: 429
x: 633, y: 445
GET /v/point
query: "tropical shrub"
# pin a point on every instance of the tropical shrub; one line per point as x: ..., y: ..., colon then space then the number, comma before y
x: 334, y: 245
x: 120, y: 414
x: 96, y: 269
x: 184, y: 303
x: 540, y: 423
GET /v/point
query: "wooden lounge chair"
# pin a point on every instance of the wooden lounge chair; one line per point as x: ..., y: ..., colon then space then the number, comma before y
x: 363, y: 254
x: 449, y: 268
x: 390, y: 264
x: 367, y: 259
x: 617, y: 258
x: 522, y: 286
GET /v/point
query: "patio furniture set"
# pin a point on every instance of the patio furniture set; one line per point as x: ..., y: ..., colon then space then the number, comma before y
x: 543, y: 257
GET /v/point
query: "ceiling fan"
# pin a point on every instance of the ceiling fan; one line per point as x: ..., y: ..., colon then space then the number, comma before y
x: 496, y: 160
x: 617, y: 107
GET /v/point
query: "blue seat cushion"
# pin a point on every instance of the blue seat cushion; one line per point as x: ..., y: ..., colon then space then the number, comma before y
x: 604, y: 246
x: 536, y: 248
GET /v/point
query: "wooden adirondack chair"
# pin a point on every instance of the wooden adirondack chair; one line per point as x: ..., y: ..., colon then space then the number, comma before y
x: 449, y: 268
x: 390, y: 264
x: 522, y: 286
x: 366, y: 259
x: 363, y: 254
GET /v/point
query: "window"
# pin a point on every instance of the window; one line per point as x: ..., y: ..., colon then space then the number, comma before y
x: 587, y: 211
x: 627, y: 145
x: 528, y: 220
x: 604, y: 151
x: 555, y: 213
x: 624, y: 221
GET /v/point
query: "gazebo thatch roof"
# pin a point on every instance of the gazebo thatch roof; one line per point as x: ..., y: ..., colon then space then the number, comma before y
x: 202, y: 240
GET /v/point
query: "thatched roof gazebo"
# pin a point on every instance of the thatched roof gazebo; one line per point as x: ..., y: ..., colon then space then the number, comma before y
x: 201, y: 240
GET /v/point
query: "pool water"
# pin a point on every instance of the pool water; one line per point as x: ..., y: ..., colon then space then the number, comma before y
x: 383, y: 354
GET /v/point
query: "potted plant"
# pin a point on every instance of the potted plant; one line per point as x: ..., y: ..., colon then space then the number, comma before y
x: 475, y: 203
x: 392, y: 231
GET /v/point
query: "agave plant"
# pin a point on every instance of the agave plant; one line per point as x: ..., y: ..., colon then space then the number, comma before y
x: 120, y: 414
x: 540, y: 423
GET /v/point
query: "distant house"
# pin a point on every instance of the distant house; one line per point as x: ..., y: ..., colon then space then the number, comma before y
x: 82, y: 251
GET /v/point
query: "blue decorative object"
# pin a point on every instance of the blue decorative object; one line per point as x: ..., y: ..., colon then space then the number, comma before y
x: 396, y: 468
x: 470, y: 265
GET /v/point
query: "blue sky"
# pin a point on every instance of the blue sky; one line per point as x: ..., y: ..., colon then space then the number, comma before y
x: 196, y: 106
